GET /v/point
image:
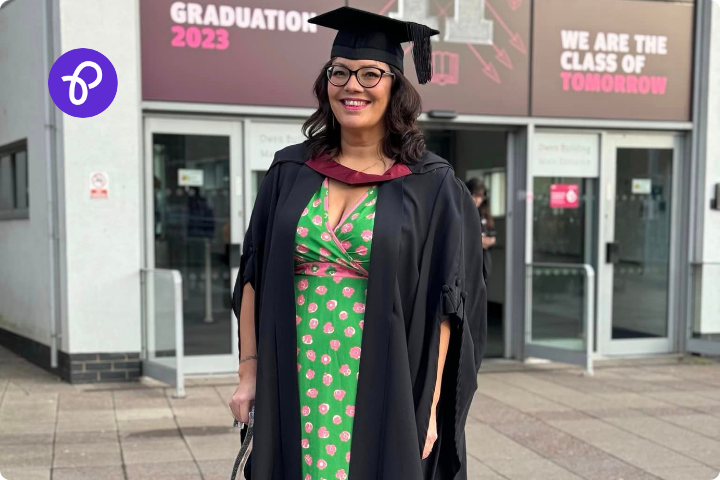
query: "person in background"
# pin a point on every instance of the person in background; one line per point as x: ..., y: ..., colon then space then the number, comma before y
x: 479, y: 194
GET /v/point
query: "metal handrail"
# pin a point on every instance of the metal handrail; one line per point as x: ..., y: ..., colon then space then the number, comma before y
x: 589, y: 302
x: 178, y: 320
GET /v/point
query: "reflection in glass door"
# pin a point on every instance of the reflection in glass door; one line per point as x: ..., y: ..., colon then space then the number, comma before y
x: 192, y: 205
x: 564, y: 239
x: 642, y: 243
x: 191, y: 166
x: 635, y: 316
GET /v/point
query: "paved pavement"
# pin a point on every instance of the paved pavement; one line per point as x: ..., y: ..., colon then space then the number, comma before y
x: 635, y: 420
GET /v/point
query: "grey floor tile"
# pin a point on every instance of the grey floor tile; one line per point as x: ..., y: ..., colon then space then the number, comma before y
x: 215, y: 447
x: 216, y: 467
x: 631, y: 400
x: 539, y: 468
x: 675, y: 438
x: 22, y: 456
x: 203, y: 421
x: 78, y: 455
x: 89, y: 473
x: 685, y: 399
x: 8, y: 427
x: 550, y: 392
x: 28, y: 473
x: 25, y: 439
x: 477, y: 469
x: 624, y: 445
x: 668, y: 411
x: 144, y: 414
x: 704, y: 424
x: 606, y: 468
x: 156, y: 434
x: 560, y: 415
x: 62, y: 438
x: 616, y: 413
x: 129, y: 403
x: 518, y: 398
x: 491, y: 411
x: 28, y: 416
x: 547, y: 441
x: 154, y: 451
x: 140, y: 391
x: 485, y: 443
x: 686, y: 473
x: 131, y: 426
x: 86, y: 401
x: 148, y: 471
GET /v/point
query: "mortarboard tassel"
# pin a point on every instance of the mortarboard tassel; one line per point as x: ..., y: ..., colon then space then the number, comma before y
x: 422, y: 50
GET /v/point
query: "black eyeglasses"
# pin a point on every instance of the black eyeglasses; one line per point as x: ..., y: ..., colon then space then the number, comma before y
x: 368, y: 77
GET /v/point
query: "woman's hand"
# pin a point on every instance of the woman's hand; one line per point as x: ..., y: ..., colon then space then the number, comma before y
x: 487, y: 242
x: 244, y: 396
x: 431, y: 435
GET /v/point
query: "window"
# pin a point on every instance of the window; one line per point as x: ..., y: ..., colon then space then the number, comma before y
x: 14, y: 197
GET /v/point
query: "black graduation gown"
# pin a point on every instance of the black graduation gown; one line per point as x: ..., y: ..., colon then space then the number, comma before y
x: 426, y: 264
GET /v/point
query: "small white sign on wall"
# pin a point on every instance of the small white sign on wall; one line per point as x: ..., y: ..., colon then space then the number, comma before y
x: 99, y: 185
x: 266, y: 138
x: 641, y: 186
x: 575, y: 155
x: 188, y: 177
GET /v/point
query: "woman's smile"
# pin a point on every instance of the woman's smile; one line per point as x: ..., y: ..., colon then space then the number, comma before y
x: 354, y: 103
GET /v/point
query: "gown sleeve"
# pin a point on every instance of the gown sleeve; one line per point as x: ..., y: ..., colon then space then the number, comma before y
x: 253, y: 245
x: 464, y: 291
x: 461, y: 276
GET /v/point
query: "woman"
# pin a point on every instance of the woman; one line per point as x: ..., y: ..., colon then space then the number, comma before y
x: 479, y: 194
x: 360, y: 236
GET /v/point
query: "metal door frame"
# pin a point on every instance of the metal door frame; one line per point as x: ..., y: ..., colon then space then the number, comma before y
x: 610, y: 141
x: 177, y: 125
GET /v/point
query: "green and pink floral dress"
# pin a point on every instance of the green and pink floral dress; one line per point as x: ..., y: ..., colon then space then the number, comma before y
x: 331, y: 272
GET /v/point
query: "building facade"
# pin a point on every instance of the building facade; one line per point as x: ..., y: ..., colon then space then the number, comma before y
x: 592, y: 124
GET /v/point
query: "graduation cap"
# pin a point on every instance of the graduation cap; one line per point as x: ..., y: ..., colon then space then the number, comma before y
x: 368, y: 36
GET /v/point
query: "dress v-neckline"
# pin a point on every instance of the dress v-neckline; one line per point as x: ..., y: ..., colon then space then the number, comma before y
x: 343, y: 218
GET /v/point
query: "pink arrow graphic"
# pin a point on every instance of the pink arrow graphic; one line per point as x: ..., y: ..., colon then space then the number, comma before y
x: 515, y: 38
x: 488, y: 68
x: 503, y: 57
x: 515, y: 4
x: 384, y: 10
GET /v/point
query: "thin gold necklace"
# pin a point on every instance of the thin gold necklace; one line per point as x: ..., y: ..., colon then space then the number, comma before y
x: 365, y: 169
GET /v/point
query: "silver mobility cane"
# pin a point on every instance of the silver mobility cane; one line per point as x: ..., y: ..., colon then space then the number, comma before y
x: 246, y: 447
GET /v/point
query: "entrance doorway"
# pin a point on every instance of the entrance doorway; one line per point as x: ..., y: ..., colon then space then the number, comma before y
x: 636, y: 298
x: 600, y: 245
x: 194, y: 171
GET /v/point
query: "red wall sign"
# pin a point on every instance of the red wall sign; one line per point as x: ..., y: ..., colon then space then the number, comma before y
x: 564, y: 196
x: 249, y: 52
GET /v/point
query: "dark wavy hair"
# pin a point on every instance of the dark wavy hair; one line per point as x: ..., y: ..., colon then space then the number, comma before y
x: 403, y: 141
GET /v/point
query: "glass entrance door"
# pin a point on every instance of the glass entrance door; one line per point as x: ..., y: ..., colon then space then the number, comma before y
x: 560, y: 283
x: 636, y: 301
x: 194, y: 211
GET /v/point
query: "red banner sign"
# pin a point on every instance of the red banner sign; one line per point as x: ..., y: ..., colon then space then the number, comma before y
x: 564, y: 196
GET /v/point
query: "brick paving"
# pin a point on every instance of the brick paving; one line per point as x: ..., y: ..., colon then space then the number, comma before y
x: 656, y: 418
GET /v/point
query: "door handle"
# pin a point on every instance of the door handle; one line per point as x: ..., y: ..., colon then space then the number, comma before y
x: 612, y: 252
